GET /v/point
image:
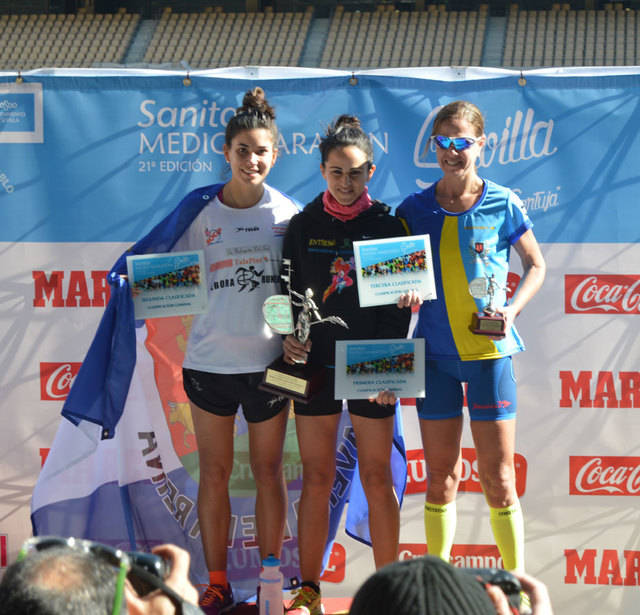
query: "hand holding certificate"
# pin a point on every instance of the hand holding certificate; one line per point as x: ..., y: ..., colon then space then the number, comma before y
x: 389, y: 268
x: 168, y: 284
x: 364, y: 368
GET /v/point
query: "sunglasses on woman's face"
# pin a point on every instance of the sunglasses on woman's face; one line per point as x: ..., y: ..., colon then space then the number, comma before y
x: 459, y: 143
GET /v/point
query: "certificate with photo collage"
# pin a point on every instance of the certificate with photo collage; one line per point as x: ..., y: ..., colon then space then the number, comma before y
x: 366, y: 367
x: 387, y: 268
x: 168, y: 284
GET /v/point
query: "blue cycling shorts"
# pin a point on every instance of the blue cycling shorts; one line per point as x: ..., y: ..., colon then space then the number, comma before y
x: 491, y: 389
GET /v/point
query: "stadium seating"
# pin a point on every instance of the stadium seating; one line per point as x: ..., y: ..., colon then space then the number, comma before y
x: 213, y: 38
x: 388, y: 38
x: 565, y: 37
x: 58, y: 40
x: 354, y: 39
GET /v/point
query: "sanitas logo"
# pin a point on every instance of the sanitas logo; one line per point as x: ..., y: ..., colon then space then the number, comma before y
x: 610, y: 566
x: 604, y: 391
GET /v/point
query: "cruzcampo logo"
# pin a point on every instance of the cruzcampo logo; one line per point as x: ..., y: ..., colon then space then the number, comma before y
x: 167, y: 342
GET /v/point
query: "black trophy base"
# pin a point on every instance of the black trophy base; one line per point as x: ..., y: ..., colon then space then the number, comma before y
x: 488, y: 323
x: 298, y: 382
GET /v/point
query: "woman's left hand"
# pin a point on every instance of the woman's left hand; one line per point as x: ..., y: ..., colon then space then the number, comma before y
x: 384, y: 398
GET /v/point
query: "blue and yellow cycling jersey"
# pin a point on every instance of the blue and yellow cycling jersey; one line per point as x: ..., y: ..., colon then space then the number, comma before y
x: 472, y: 244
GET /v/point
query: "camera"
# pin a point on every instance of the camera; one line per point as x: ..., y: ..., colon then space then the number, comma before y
x: 145, y: 569
x: 509, y: 584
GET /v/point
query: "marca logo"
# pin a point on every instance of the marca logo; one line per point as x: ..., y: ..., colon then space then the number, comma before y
x: 462, y: 556
x: 610, y: 566
x: 606, y: 391
x: 602, y: 294
x: 49, y: 290
x: 334, y: 572
x: 604, y: 475
x: 56, y: 380
x: 469, y: 481
x: 3, y: 551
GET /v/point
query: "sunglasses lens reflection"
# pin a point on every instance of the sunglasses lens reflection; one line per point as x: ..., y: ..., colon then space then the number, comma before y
x: 459, y: 143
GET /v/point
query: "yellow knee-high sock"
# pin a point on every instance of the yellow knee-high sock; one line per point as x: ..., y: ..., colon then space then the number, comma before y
x: 440, y: 528
x: 508, y: 530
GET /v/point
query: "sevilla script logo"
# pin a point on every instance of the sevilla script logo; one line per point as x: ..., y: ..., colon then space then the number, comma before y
x: 604, y: 475
x: 602, y: 294
x: 56, y: 380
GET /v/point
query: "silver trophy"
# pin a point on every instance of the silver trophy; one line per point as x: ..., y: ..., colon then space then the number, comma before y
x: 298, y: 381
x: 488, y: 321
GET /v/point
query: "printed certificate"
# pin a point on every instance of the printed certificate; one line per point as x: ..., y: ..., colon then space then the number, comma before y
x: 366, y: 367
x: 168, y: 284
x: 387, y: 268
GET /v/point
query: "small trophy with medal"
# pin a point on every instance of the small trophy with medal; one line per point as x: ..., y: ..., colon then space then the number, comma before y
x: 302, y: 380
x: 489, y: 321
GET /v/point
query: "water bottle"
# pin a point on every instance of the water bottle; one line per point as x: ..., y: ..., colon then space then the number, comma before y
x: 271, y: 580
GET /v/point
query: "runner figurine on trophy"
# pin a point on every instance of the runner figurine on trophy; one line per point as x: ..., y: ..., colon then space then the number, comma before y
x: 489, y: 321
x: 302, y: 380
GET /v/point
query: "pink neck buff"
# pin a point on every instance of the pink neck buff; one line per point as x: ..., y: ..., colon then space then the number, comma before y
x: 346, y: 212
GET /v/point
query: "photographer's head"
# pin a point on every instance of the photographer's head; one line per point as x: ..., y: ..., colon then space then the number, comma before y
x: 59, y: 580
x: 422, y: 586
x: 80, y: 577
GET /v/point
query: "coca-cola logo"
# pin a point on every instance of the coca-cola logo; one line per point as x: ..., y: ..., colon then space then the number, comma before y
x: 469, y: 479
x: 604, y: 475
x: 56, y: 380
x: 602, y: 294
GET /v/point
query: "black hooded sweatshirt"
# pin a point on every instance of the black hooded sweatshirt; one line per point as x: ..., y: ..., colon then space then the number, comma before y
x: 320, y: 248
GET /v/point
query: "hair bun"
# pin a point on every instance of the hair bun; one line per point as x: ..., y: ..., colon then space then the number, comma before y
x: 342, y: 122
x: 254, y: 102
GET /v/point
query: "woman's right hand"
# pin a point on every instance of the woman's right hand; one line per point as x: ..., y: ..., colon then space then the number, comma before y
x: 409, y: 299
x: 534, y: 588
x: 295, y: 351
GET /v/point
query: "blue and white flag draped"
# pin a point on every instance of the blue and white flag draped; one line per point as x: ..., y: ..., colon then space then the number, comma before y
x: 123, y: 468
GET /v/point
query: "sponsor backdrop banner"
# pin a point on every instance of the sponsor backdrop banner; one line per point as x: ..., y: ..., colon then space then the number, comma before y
x: 91, y: 160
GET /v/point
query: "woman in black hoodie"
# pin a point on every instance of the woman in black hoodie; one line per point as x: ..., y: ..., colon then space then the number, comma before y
x: 319, y: 244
